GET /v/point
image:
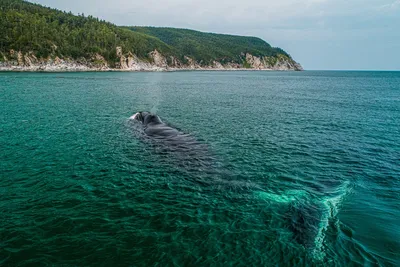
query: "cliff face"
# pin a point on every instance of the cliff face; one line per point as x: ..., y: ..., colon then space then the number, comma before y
x: 17, y: 61
x: 281, y: 62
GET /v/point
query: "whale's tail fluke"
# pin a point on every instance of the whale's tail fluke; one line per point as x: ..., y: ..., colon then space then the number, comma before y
x: 307, y: 217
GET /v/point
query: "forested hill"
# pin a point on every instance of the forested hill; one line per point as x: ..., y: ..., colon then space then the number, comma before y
x: 210, y: 46
x: 30, y: 27
x: 44, y: 33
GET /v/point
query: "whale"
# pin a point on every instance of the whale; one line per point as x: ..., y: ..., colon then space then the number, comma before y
x: 307, y: 216
x: 153, y: 126
x: 156, y: 129
x: 183, y: 147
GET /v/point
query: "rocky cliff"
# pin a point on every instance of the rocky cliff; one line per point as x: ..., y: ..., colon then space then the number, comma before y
x: 127, y: 61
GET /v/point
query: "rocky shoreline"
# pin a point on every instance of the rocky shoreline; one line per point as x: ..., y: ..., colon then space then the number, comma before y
x: 28, y: 62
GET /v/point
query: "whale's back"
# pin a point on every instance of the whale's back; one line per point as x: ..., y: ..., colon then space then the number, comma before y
x: 168, y: 140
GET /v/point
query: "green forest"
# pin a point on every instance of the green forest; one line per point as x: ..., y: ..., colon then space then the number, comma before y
x: 210, y: 46
x: 45, y: 32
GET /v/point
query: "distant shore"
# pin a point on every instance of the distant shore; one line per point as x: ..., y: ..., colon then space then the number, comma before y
x: 149, y: 68
x: 2, y: 69
x: 28, y: 62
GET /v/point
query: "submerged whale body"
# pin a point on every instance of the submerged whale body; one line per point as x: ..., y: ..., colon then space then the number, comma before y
x: 154, y: 128
x: 185, y: 148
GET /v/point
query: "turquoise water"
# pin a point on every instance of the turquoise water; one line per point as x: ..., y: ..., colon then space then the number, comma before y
x: 301, y: 168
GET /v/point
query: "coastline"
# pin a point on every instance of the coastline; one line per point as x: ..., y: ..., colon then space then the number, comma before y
x: 85, y: 68
x: 60, y: 70
x: 17, y: 61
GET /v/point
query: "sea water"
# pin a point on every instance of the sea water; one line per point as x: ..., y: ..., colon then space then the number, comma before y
x: 304, y: 169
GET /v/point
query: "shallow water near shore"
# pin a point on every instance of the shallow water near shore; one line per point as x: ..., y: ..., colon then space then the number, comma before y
x: 301, y: 168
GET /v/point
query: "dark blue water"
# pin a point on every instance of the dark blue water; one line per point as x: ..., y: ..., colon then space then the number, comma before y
x: 297, y: 169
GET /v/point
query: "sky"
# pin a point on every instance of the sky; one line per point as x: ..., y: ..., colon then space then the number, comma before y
x: 319, y: 34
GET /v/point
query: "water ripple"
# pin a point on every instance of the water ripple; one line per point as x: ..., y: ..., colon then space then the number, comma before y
x: 295, y: 169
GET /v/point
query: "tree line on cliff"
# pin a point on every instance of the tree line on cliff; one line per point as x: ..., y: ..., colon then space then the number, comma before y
x: 45, y: 32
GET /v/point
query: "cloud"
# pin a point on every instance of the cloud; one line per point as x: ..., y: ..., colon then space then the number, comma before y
x: 391, y: 6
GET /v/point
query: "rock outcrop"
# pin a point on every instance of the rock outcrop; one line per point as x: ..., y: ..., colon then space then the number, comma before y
x: 158, y: 59
x: 281, y: 62
x: 127, y: 61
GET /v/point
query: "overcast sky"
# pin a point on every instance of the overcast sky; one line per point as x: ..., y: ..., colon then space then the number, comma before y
x: 320, y: 34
